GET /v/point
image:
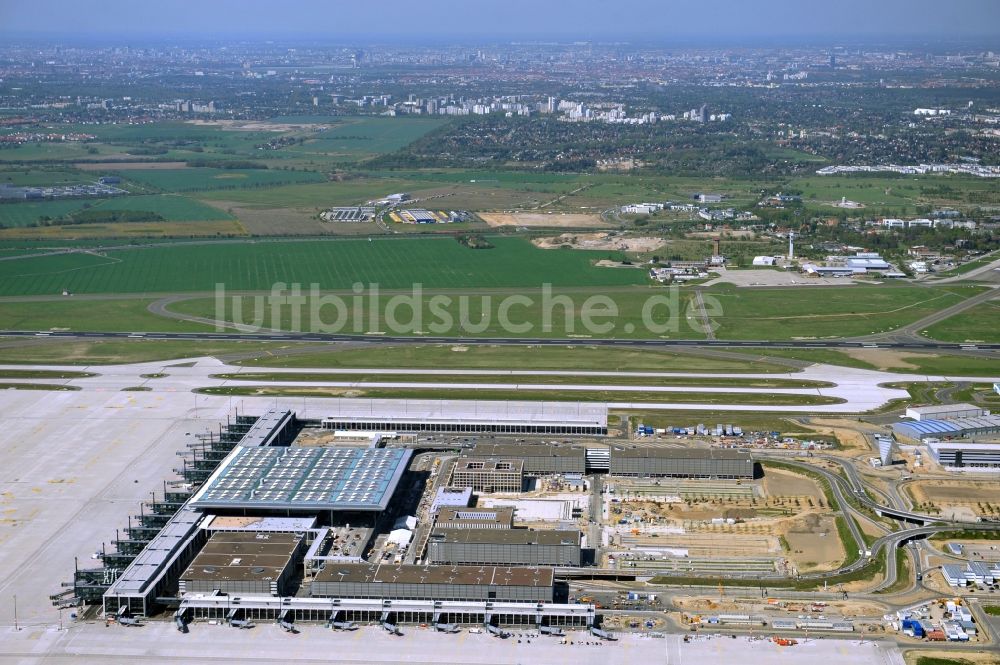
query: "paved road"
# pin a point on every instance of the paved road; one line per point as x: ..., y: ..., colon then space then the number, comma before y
x: 507, y: 341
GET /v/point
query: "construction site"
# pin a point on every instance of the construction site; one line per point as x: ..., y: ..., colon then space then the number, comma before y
x: 770, y: 527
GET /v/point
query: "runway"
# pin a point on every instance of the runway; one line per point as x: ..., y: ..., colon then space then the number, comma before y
x: 859, y: 390
x: 511, y: 341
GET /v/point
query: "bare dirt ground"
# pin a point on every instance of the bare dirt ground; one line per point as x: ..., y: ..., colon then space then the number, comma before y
x: 289, y: 221
x: 255, y: 126
x: 600, y: 241
x: 884, y: 359
x: 952, y: 656
x: 980, y: 497
x: 814, y: 543
x: 846, y: 608
x: 130, y: 166
x: 966, y: 500
x: 569, y: 220
x: 783, y: 483
x: 842, y: 429
x: 475, y: 196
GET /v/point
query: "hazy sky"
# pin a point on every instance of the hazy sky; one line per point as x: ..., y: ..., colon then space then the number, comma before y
x: 636, y: 20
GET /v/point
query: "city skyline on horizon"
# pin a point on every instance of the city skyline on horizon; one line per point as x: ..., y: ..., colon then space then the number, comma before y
x: 519, y: 19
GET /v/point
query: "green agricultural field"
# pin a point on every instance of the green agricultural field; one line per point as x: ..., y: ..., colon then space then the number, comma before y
x: 200, y: 179
x: 825, y: 312
x: 978, y: 324
x: 56, y: 152
x: 35, y: 177
x: 89, y: 315
x: 337, y: 264
x: 171, y: 207
x: 28, y: 212
x: 471, y: 314
x: 360, y: 138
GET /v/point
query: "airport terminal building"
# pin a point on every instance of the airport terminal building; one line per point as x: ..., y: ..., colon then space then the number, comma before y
x: 465, y: 417
x: 236, y: 563
x: 539, y: 458
x: 489, y: 475
x: 522, y: 547
x: 485, y: 583
x: 681, y: 462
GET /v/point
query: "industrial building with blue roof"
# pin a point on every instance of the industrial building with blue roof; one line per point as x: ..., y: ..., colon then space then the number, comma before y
x: 954, y: 428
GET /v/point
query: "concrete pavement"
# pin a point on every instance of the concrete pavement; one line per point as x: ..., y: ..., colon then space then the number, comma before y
x: 861, y: 390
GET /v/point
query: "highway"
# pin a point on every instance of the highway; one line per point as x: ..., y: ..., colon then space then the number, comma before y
x: 854, y: 487
x: 506, y: 341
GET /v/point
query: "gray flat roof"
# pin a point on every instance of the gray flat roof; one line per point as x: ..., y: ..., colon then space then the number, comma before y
x: 509, y: 450
x: 468, y: 411
x: 507, y: 536
x: 489, y: 464
x: 650, y: 452
x: 151, y: 562
x: 266, y: 426
x: 450, y: 516
x: 944, y: 408
x: 229, y: 557
x: 964, y: 446
x: 409, y: 574
x: 258, y: 524
x: 304, y: 479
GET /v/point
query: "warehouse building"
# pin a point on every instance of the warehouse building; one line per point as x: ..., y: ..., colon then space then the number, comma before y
x: 921, y: 430
x: 244, y: 562
x: 945, y: 412
x: 521, y: 547
x: 539, y: 459
x: 364, y: 580
x: 489, y: 475
x: 961, y: 455
x: 513, y: 417
x: 681, y: 462
x: 497, y: 517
